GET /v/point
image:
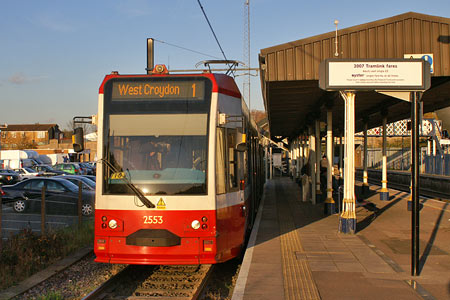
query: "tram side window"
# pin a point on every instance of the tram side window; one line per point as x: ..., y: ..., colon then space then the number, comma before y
x: 242, y: 163
x: 220, y: 161
x: 233, y: 175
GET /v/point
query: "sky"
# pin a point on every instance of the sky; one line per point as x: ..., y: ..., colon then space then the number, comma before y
x: 54, y: 54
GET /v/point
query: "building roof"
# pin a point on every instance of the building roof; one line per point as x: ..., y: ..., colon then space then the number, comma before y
x: 29, y: 127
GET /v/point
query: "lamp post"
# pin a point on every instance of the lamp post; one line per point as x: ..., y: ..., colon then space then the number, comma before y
x: 336, y: 53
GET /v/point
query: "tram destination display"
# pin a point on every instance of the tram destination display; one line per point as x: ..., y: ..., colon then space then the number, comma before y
x: 158, y: 90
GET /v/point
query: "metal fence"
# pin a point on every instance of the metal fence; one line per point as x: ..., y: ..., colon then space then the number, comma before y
x: 400, y: 159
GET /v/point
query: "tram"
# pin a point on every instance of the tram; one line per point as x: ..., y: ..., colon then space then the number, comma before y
x: 180, y: 171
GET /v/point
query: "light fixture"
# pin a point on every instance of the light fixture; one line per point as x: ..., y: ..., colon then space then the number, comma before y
x: 195, y: 224
x: 112, y: 224
x: 336, y: 53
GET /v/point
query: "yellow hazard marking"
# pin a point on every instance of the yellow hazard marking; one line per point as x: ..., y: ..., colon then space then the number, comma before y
x: 161, y: 204
x: 118, y: 175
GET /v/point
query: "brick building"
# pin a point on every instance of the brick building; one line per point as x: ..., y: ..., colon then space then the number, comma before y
x: 28, y: 136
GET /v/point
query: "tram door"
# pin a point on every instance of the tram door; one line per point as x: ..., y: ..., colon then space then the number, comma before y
x: 230, y: 197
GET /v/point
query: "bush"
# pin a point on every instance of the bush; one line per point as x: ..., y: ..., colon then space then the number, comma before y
x: 27, y: 253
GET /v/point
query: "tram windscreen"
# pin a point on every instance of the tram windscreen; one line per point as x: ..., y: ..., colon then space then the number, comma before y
x: 161, y: 154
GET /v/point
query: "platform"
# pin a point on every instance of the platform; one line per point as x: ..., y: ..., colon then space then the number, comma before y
x: 295, y: 252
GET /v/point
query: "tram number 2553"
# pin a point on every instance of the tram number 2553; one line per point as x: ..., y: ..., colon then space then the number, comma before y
x: 153, y: 220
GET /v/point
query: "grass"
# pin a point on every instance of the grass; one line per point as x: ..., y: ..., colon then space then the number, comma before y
x: 223, y: 280
x: 26, y: 253
x: 51, y: 296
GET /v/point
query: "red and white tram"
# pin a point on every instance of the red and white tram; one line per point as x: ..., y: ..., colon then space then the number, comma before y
x: 180, y: 169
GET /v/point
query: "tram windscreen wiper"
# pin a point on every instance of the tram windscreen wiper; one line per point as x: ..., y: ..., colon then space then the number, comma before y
x: 132, y: 187
x: 138, y: 192
x: 140, y: 195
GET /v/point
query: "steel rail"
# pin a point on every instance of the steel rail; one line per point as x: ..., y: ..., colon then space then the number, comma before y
x: 186, y: 291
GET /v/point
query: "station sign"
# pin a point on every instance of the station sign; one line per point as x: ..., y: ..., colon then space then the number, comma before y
x: 374, y: 74
x: 426, y: 57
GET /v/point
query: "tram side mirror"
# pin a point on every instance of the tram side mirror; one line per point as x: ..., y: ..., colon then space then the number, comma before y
x: 241, y: 142
x: 78, y: 139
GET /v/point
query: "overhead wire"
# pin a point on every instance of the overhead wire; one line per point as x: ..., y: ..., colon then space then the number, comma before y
x: 212, y: 30
x: 184, y: 48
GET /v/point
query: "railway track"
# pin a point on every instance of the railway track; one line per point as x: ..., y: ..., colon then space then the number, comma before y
x: 400, y: 180
x: 423, y: 191
x: 178, y: 282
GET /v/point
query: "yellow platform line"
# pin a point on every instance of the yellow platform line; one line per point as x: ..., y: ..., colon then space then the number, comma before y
x: 298, y: 280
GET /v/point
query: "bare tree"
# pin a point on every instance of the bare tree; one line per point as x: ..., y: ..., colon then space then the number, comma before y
x: 87, y: 128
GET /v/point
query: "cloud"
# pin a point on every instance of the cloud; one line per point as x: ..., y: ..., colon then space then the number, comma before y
x: 54, y: 22
x: 20, y: 78
x: 134, y: 8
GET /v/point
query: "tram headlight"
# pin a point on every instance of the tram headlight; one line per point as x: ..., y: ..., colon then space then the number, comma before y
x: 112, y: 224
x: 195, y: 224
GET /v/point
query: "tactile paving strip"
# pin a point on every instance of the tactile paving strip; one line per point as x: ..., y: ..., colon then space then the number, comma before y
x: 298, y: 280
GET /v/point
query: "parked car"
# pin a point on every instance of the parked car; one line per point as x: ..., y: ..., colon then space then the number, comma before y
x: 9, y: 177
x: 87, y: 184
x: 70, y: 168
x: 89, y: 170
x: 27, y: 173
x: 93, y: 165
x: 47, y: 170
x: 61, y: 196
x: 91, y: 177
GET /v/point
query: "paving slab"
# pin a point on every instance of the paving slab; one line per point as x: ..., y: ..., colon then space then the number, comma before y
x: 300, y: 247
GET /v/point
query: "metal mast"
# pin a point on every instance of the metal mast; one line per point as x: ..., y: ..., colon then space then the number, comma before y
x: 246, y: 84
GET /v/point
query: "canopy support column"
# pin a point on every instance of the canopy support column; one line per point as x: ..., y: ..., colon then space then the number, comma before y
x: 312, y: 163
x: 271, y: 160
x: 341, y: 158
x: 267, y: 166
x: 365, y: 185
x: 330, y: 205
x: 347, y: 220
x: 318, y: 159
x: 384, y: 193
x: 300, y: 158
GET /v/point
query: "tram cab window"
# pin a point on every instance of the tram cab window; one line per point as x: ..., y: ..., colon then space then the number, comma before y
x: 160, y: 154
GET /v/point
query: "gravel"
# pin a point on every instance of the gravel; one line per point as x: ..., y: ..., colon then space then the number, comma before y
x: 76, y: 281
x: 85, y: 275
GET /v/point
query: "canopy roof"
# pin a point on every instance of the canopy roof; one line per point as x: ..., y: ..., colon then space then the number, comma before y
x: 290, y: 72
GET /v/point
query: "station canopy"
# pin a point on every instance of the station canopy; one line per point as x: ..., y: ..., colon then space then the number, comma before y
x: 290, y: 73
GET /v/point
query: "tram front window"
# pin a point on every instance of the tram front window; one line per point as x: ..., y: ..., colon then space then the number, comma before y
x: 159, y: 154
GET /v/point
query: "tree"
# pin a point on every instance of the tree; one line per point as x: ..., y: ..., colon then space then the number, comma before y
x: 258, y: 115
x: 70, y: 126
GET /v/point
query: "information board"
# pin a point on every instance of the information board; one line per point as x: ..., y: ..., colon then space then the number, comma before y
x: 374, y: 74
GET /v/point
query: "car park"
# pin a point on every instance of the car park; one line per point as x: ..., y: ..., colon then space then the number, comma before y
x: 70, y: 168
x: 89, y: 170
x: 27, y: 172
x: 91, y: 177
x: 61, y: 196
x: 87, y: 184
x: 93, y: 165
x: 47, y: 170
x: 9, y: 177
